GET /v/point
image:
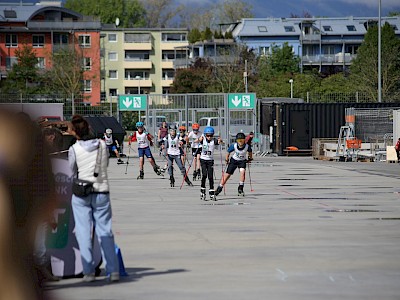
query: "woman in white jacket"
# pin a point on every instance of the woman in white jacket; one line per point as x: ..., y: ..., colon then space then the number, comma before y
x: 94, y: 209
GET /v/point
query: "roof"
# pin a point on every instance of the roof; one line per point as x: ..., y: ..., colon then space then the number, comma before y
x: 292, y: 26
x: 24, y: 13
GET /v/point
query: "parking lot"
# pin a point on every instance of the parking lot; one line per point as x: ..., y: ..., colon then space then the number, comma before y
x: 306, y: 229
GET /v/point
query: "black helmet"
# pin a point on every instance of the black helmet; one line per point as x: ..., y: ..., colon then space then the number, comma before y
x: 172, y: 127
x: 240, y: 135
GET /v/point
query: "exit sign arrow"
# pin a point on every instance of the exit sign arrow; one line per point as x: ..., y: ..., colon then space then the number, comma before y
x: 127, y: 102
x: 236, y: 101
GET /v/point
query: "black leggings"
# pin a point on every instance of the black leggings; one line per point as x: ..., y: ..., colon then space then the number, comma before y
x: 207, y: 170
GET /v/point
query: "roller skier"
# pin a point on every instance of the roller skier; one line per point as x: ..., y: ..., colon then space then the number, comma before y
x: 112, y: 145
x: 172, y: 147
x: 238, y: 160
x: 144, y: 140
x: 193, y: 137
x: 207, y: 143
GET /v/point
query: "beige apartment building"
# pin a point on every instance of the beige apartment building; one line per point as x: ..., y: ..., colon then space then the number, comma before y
x: 139, y: 61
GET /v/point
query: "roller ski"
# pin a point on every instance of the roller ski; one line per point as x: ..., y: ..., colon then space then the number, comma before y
x: 194, y: 175
x: 240, y: 191
x: 212, y: 195
x: 188, y: 182
x: 172, y: 181
x: 120, y: 162
x: 141, y: 175
x: 203, y: 194
x: 158, y: 170
x: 218, y: 191
x: 198, y: 174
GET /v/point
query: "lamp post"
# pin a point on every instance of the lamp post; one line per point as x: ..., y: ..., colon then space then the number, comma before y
x: 291, y: 88
x: 379, y: 56
x: 138, y: 78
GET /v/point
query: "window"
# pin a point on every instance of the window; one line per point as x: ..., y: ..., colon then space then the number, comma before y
x: 351, y: 28
x: 38, y: 41
x: 327, y: 28
x: 60, y: 39
x: 86, y: 63
x: 394, y: 27
x: 112, y: 56
x: 174, y: 37
x: 170, y: 55
x: 262, y: 28
x: 168, y: 75
x: 133, y: 74
x: 263, y: 50
x: 166, y: 90
x: 84, y: 41
x: 41, y: 63
x: 10, y: 61
x: 137, y: 38
x: 112, y: 37
x: 11, y: 40
x: 87, y: 86
x: 352, y: 49
x: 328, y: 49
x: 289, y: 29
x: 113, y: 74
x: 136, y: 55
x: 113, y: 92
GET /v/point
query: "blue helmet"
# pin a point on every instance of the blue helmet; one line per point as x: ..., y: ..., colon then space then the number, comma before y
x: 208, y: 130
x: 139, y: 124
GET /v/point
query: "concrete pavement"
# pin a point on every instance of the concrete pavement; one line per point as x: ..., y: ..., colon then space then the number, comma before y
x: 309, y: 230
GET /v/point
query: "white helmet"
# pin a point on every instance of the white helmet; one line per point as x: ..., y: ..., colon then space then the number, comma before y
x: 108, y: 130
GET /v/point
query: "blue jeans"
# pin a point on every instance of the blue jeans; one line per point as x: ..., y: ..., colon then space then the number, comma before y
x: 94, y: 210
x: 177, y: 159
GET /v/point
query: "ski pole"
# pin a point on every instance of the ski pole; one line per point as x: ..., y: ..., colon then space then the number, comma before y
x: 187, y: 172
x: 127, y: 161
x: 222, y: 170
x: 251, y: 186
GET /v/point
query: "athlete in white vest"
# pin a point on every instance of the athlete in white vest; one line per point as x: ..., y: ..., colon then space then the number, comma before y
x: 207, y: 143
x: 173, y: 145
x: 112, y: 144
x: 193, y: 138
x: 144, y: 140
x: 242, y: 154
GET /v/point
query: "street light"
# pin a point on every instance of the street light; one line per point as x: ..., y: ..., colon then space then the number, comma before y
x: 138, y: 78
x: 291, y: 88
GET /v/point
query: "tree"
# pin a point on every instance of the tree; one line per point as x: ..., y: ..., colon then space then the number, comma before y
x: 130, y: 12
x: 364, y: 69
x: 194, y: 36
x: 24, y: 75
x: 160, y: 13
x: 230, y: 11
x: 66, y: 73
x: 282, y: 60
x: 195, y: 79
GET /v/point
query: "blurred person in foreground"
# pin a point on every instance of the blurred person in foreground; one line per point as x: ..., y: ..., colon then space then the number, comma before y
x: 88, y: 157
x: 27, y: 196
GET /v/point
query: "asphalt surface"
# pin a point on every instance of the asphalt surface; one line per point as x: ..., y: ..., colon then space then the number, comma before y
x: 306, y: 229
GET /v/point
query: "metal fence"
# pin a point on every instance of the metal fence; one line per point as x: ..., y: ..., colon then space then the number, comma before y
x: 357, y: 97
x: 372, y: 125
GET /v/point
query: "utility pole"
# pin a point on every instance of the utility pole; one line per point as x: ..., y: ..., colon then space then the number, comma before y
x: 379, y: 56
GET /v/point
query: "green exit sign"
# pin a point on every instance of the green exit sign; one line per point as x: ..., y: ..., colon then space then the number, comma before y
x: 241, y: 101
x: 132, y: 102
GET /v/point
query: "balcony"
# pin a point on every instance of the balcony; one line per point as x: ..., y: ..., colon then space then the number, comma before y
x: 137, y: 64
x: 167, y: 64
x: 332, y: 59
x: 64, y: 25
x: 311, y: 38
x: 167, y: 82
x: 147, y: 83
x: 138, y: 46
x: 216, y: 60
x: 172, y: 44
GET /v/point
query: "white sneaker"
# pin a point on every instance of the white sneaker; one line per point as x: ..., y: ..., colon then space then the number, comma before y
x: 89, y: 277
x: 113, y: 277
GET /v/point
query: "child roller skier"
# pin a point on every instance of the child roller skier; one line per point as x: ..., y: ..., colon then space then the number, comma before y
x: 112, y: 144
x: 207, y: 142
x: 173, y: 149
x: 144, y: 139
x: 183, y: 138
x: 238, y: 160
x: 193, y: 136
